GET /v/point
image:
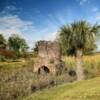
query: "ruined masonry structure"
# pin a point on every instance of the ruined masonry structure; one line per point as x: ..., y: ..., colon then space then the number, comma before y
x: 49, y: 58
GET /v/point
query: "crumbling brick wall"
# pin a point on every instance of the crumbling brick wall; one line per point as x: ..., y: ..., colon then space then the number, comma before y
x: 49, y: 55
x: 48, y: 49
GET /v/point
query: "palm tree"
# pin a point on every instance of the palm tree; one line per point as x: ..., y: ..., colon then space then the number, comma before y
x: 75, y: 38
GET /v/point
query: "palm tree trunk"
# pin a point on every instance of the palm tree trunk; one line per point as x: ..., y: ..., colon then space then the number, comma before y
x: 79, y: 65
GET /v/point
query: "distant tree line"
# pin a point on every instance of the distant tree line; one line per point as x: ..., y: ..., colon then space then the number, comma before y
x: 14, y: 46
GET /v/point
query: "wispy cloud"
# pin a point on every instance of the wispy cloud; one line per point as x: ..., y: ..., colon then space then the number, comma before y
x: 81, y: 2
x: 13, y: 24
x: 10, y: 9
x: 95, y: 9
x: 98, y: 17
x: 60, y: 19
x: 49, y: 32
x: 96, y: 13
x: 50, y: 36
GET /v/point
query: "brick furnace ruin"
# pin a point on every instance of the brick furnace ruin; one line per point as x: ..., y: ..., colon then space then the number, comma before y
x: 49, y: 58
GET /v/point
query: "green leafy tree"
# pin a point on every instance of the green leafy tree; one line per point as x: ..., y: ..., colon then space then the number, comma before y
x: 35, y: 49
x: 17, y: 44
x: 2, y: 41
x: 75, y: 38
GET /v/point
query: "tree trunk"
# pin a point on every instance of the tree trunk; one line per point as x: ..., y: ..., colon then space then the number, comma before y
x: 79, y: 65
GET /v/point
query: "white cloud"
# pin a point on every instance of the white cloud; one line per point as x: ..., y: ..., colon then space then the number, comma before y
x: 61, y: 19
x: 47, y: 33
x: 58, y: 19
x: 98, y: 17
x: 83, y: 1
x: 95, y: 9
x: 12, y: 24
x: 50, y: 36
x: 9, y: 9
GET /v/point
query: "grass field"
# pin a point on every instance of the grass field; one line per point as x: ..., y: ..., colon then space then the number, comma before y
x: 84, y: 90
x: 88, y: 60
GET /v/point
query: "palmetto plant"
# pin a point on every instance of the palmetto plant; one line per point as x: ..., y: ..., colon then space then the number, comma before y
x: 75, y: 37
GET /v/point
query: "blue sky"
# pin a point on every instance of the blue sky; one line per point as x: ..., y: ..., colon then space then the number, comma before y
x: 41, y: 19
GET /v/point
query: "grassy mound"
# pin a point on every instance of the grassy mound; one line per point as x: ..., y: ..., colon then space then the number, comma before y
x: 84, y: 90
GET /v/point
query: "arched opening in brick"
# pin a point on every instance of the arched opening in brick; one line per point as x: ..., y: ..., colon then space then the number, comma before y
x: 43, y: 70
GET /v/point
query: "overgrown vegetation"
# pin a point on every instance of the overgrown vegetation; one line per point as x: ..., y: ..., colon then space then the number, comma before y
x: 17, y: 79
